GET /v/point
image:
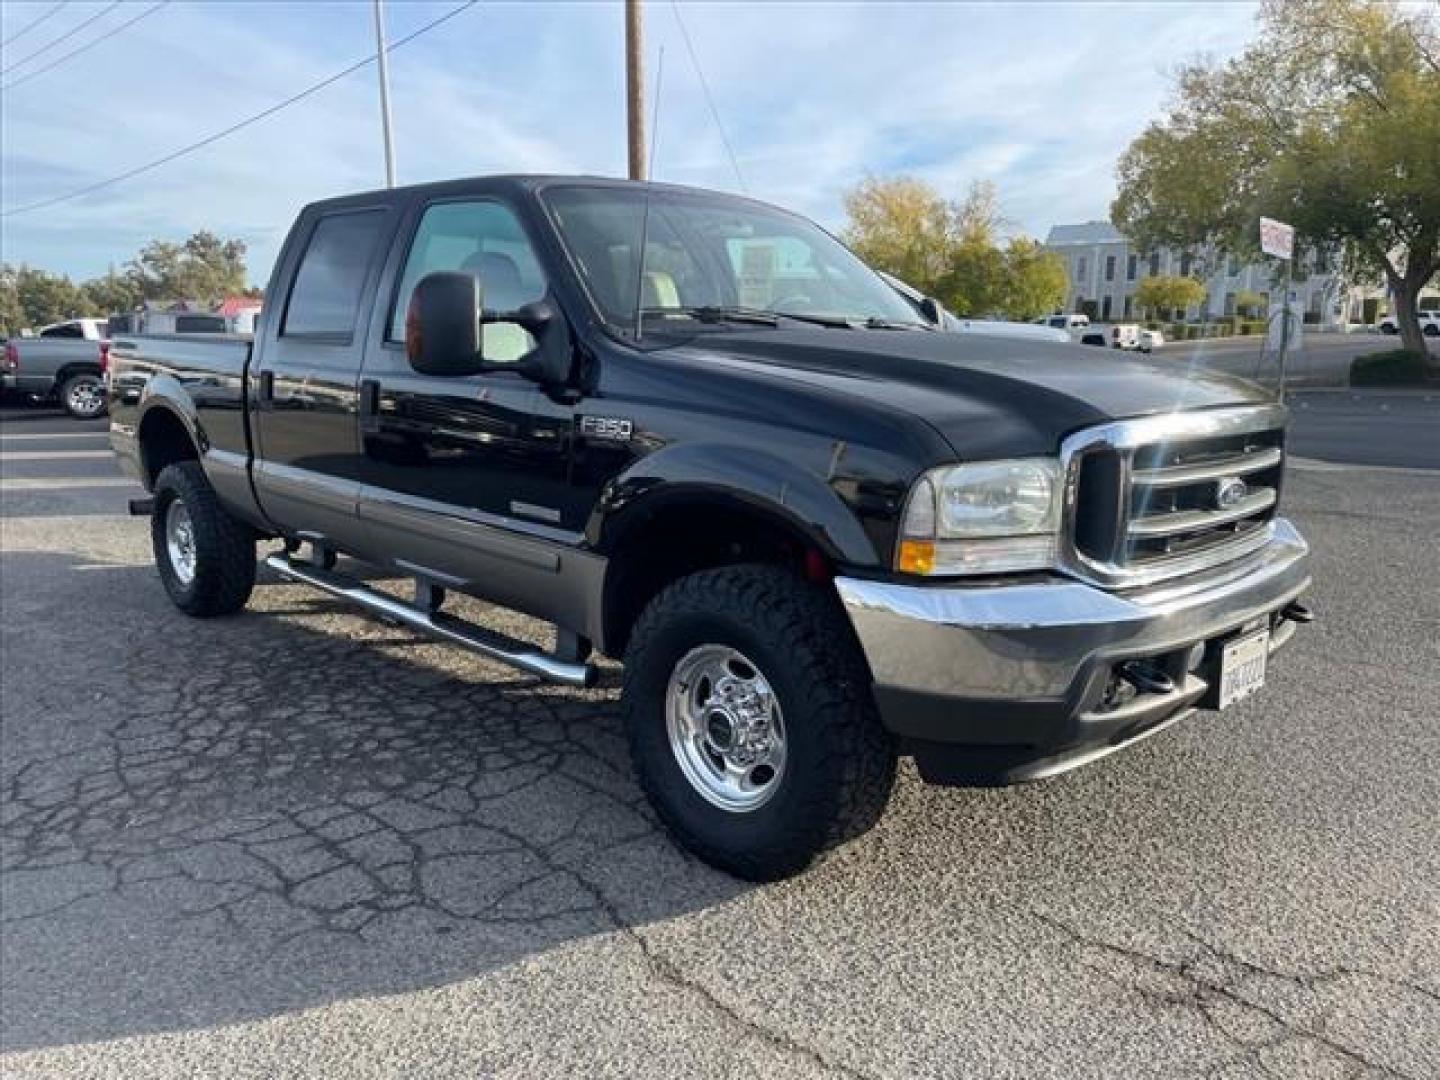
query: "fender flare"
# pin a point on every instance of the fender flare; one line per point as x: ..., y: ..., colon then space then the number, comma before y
x: 761, y: 481
x: 165, y: 394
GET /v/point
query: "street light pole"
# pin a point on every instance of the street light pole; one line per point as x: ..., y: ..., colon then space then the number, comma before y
x: 634, y: 90
x: 384, y: 93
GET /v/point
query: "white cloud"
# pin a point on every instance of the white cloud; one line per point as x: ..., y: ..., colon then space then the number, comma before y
x: 1039, y: 98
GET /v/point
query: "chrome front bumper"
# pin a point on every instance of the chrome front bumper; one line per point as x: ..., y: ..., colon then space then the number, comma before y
x: 1024, y: 668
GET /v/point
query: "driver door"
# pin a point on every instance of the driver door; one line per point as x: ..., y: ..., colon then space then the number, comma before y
x: 463, y: 479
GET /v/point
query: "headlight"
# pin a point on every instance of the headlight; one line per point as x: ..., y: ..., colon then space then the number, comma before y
x: 985, y: 518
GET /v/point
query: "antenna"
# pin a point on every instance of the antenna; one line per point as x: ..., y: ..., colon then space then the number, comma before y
x: 655, y: 116
x: 645, y: 216
x: 640, y: 263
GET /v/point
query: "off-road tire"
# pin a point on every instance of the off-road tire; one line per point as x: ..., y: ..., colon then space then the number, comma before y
x: 840, y: 766
x: 224, y: 573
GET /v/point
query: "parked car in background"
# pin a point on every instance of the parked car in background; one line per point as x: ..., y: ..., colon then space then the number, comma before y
x: 1076, y: 320
x: 1429, y: 324
x: 1125, y: 336
x: 167, y: 322
x: 956, y: 325
x: 1150, y: 340
x: 66, y: 367
x: 88, y: 329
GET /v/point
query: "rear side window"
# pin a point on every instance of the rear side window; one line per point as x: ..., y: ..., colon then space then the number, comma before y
x: 326, y: 295
x: 66, y: 330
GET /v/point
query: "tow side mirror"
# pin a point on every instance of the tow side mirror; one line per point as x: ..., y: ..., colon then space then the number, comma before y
x: 444, y: 331
x: 550, y: 361
x: 442, y: 325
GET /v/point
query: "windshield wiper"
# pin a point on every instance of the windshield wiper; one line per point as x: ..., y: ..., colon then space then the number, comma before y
x: 875, y: 323
x: 713, y: 313
x: 718, y: 313
x: 767, y: 316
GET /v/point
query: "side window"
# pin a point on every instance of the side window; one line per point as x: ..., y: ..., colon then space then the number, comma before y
x: 326, y: 294
x: 65, y: 330
x: 484, y: 239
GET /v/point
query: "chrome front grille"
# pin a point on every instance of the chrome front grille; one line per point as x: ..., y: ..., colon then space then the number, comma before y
x: 1163, y: 496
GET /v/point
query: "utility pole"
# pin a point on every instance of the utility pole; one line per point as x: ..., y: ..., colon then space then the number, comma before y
x: 384, y: 93
x: 634, y: 90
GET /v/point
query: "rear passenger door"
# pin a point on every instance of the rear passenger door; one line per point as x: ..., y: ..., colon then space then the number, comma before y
x: 304, y: 395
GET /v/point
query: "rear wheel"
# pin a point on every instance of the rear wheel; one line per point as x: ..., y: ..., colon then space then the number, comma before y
x: 751, y: 721
x: 83, y: 395
x: 206, y: 558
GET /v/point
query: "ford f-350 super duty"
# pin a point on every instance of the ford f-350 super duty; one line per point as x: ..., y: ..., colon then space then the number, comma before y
x: 696, y: 434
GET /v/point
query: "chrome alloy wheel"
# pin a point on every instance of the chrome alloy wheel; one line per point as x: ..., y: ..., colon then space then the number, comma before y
x: 180, y: 541
x: 86, y: 397
x: 725, y: 728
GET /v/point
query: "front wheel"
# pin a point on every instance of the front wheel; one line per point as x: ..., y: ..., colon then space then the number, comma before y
x: 206, y: 558
x: 751, y: 721
x: 83, y: 396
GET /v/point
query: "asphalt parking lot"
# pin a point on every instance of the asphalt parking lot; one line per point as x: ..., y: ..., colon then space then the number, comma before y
x: 300, y: 842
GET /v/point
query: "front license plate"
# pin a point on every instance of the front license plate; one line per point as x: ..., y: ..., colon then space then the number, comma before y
x: 1242, y: 667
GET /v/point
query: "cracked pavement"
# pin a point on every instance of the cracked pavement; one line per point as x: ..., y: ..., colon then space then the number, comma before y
x: 301, y: 842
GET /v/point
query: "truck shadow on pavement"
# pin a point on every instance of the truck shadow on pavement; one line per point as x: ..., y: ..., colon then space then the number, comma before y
x: 215, y: 821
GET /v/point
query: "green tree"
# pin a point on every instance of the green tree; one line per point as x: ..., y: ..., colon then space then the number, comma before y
x: 952, y: 250
x: 901, y: 225
x: 1168, y: 292
x: 975, y: 283
x: 1035, y: 280
x: 33, y: 298
x: 204, y: 268
x: 1330, y: 120
x: 12, y: 314
x: 112, y: 293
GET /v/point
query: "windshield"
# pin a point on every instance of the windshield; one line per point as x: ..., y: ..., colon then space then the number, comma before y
x: 706, y: 255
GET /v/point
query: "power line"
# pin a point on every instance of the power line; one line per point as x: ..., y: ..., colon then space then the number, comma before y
x: 63, y: 37
x: 709, y: 98
x: 249, y: 120
x: 88, y: 45
x: 31, y: 25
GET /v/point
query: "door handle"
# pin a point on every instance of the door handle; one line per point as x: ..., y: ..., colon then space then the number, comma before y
x: 369, y: 404
x: 267, y: 386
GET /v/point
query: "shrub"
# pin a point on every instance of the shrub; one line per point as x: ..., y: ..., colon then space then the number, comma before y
x: 1395, y: 367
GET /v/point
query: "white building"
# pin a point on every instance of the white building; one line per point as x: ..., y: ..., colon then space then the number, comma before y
x: 1105, y: 269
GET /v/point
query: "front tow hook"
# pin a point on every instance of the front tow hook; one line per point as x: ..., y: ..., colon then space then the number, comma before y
x: 1297, y: 612
x: 1147, y: 678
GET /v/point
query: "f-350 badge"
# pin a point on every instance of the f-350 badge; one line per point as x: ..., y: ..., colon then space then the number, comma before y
x: 609, y: 428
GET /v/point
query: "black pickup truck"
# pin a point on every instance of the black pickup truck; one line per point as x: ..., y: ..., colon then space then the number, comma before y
x: 695, y: 433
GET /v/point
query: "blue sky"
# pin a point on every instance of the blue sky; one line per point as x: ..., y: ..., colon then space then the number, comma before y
x: 1040, y: 98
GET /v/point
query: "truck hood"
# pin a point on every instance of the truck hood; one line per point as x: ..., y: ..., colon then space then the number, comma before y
x: 988, y: 397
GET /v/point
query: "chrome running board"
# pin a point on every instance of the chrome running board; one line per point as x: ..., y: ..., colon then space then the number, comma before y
x: 437, y: 624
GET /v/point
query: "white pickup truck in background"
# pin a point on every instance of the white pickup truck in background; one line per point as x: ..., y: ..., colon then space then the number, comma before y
x: 1429, y: 324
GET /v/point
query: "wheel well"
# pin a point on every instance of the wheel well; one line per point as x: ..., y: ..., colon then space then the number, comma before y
x: 68, y: 370
x: 163, y: 441
x: 685, y: 537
